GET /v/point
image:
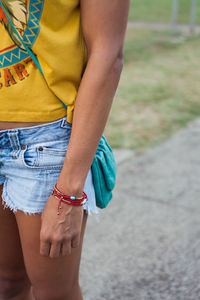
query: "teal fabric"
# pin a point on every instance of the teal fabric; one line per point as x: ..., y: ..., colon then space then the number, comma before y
x: 104, y: 170
x: 104, y: 165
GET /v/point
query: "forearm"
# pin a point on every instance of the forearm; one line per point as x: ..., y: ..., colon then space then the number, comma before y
x: 91, y: 111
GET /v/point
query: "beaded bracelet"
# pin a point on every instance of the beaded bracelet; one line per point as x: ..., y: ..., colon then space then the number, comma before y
x: 70, y: 200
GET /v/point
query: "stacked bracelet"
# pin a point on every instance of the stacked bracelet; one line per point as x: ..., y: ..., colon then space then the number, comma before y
x: 70, y: 200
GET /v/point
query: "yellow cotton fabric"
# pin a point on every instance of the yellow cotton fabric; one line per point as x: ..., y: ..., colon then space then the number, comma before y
x: 53, y: 27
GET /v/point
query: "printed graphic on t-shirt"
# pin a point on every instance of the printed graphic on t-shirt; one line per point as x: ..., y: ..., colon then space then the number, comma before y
x: 25, y: 15
x: 17, y: 12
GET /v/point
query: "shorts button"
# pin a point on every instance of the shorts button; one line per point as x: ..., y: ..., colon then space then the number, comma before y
x: 40, y: 148
x: 23, y: 147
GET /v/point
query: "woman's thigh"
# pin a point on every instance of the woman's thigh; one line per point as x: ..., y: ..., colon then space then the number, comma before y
x: 48, y: 276
x: 13, y: 275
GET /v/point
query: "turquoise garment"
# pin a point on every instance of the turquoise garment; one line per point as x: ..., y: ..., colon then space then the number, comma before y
x: 104, y: 173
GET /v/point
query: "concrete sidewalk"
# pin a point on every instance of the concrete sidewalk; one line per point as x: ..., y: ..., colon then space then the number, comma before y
x: 146, y: 244
x: 184, y: 28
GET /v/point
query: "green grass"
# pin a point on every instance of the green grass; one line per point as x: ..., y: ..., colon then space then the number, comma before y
x: 159, y: 90
x: 159, y: 11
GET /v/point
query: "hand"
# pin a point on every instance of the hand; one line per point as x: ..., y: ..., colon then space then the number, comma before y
x: 60, y: 232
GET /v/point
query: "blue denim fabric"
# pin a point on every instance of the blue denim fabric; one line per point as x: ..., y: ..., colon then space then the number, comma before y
x: 31, y: 159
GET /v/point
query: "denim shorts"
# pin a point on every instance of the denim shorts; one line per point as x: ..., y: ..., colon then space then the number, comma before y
x: 31, y: 159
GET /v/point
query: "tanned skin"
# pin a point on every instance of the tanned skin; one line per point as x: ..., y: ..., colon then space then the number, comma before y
x: 52, y: 244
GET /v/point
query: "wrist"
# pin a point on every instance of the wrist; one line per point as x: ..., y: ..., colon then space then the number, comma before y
x: 71, y: 182
x: 68, y: 188
x: 68, y: 199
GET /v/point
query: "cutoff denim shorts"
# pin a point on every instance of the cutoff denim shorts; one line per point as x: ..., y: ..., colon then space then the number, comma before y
x: 31, y: 159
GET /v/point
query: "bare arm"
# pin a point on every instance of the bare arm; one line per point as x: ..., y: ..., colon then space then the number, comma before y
x: 104, y: 24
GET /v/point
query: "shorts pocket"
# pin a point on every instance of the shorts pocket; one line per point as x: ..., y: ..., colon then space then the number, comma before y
x: 50, y: 154
x: 29, y: 156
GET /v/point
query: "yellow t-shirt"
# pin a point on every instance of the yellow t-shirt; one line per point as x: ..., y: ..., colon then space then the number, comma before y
x: 51, y: 28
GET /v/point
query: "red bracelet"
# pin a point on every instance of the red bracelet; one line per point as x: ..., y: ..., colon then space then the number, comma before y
x: 70, y: 200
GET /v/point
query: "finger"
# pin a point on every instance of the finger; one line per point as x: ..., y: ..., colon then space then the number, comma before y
x: 75, y: 241
x: 55, y: 250
x: 45, y: 248
x: 66, y: 248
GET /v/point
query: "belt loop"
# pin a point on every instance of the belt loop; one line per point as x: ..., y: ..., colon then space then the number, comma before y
x: 13, y: 135
x: 64, y: 122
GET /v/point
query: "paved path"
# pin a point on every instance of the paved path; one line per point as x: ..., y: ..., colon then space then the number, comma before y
x: 146, y: 244
x: 184, y: 28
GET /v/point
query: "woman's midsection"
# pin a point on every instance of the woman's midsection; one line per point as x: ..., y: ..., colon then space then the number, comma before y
x: 9, y: 125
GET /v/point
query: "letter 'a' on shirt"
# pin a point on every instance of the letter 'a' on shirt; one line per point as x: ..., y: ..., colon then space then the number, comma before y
x: 52, y: 29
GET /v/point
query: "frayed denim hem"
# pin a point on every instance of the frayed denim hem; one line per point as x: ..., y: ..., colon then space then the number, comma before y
x: 7, y: 203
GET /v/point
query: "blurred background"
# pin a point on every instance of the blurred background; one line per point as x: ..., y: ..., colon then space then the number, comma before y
x: 145, y: 245
x: 159, y: 89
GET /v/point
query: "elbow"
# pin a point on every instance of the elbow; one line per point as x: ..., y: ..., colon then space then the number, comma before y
x: 111, y: 57
x: 118, y: 61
